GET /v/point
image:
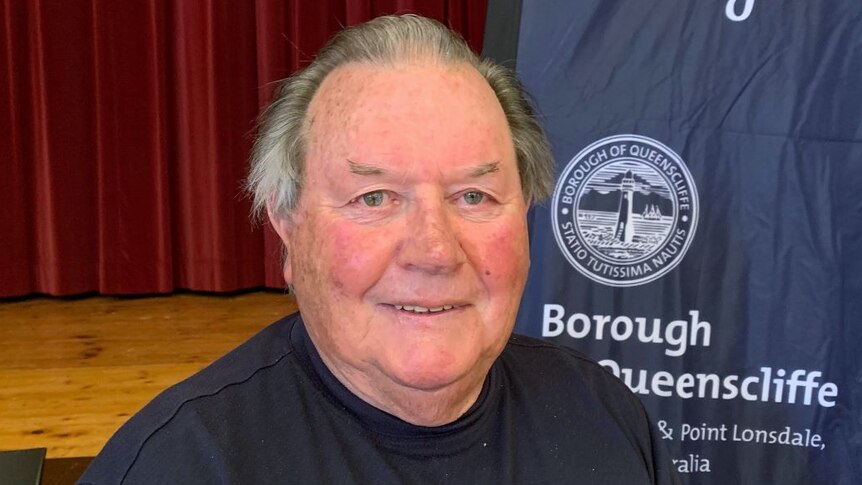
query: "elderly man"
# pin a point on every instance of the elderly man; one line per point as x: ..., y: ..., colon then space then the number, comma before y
x: 397, y: 169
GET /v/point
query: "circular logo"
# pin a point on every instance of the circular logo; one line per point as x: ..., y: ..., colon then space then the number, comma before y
x: 625, y: 210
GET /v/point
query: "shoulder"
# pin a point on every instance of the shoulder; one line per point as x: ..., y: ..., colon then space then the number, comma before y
x: 554, y: 373
x: 550, y: 380
x: 172, y: 410
x: 533, y: 355
x: 532, y: 348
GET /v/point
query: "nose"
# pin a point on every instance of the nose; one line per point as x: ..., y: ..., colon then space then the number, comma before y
x: 432, y: 243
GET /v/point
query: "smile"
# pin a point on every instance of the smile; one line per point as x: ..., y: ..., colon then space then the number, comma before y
x: 422, y: 309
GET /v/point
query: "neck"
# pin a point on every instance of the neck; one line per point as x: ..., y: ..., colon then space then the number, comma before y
x: 420, y: 407
x: 417, y: 406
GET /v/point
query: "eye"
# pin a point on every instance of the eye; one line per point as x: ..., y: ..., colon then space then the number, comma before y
x: 474, y: 197
x: 373, y: 199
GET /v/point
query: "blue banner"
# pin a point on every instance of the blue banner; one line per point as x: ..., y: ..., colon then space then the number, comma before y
x: 704, y: 242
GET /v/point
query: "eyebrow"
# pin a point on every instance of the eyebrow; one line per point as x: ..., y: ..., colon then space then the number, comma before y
x: 485, y: 169
x: 372, y: 170
x: 363, y: 169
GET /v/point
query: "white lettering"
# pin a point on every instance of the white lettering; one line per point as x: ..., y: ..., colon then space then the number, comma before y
x: 678, y: 335
x: 548, y: 319
x: 730, y: 10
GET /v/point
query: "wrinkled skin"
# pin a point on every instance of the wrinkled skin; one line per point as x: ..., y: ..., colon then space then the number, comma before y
x: 411, y: 196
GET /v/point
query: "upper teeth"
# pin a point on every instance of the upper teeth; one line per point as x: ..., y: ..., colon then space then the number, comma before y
x: 422, y: 309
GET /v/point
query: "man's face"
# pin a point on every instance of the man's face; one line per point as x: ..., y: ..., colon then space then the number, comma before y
x: 408, y: 248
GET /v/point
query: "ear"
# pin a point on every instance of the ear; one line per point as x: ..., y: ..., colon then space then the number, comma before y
x: 283, y: 226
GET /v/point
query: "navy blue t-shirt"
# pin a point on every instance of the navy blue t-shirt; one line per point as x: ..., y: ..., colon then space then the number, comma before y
x: 271, y: 412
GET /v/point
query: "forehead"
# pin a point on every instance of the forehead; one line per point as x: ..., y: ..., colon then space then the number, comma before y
x: 365, y: 110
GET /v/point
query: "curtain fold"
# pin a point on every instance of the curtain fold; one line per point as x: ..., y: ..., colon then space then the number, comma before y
x: 125, y: 130
x: 132, y: 159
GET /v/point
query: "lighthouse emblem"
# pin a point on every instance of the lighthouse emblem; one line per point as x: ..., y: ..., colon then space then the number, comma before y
x: 625, y: 210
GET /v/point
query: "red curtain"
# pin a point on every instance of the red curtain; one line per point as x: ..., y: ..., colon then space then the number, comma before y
x: 125, y: 129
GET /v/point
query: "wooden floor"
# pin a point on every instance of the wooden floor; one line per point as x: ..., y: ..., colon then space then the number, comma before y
x: 72, y: 371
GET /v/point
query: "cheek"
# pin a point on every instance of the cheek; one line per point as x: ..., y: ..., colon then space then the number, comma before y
x: 504, y: 255
x: 357, y: 257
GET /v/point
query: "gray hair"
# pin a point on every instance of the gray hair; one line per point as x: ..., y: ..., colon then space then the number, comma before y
x: 277, y: 161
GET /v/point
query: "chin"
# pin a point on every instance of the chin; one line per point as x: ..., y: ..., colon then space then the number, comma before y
x: 430, y: 372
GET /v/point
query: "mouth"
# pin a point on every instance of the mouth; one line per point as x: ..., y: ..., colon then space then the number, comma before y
x: 422, y: 309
